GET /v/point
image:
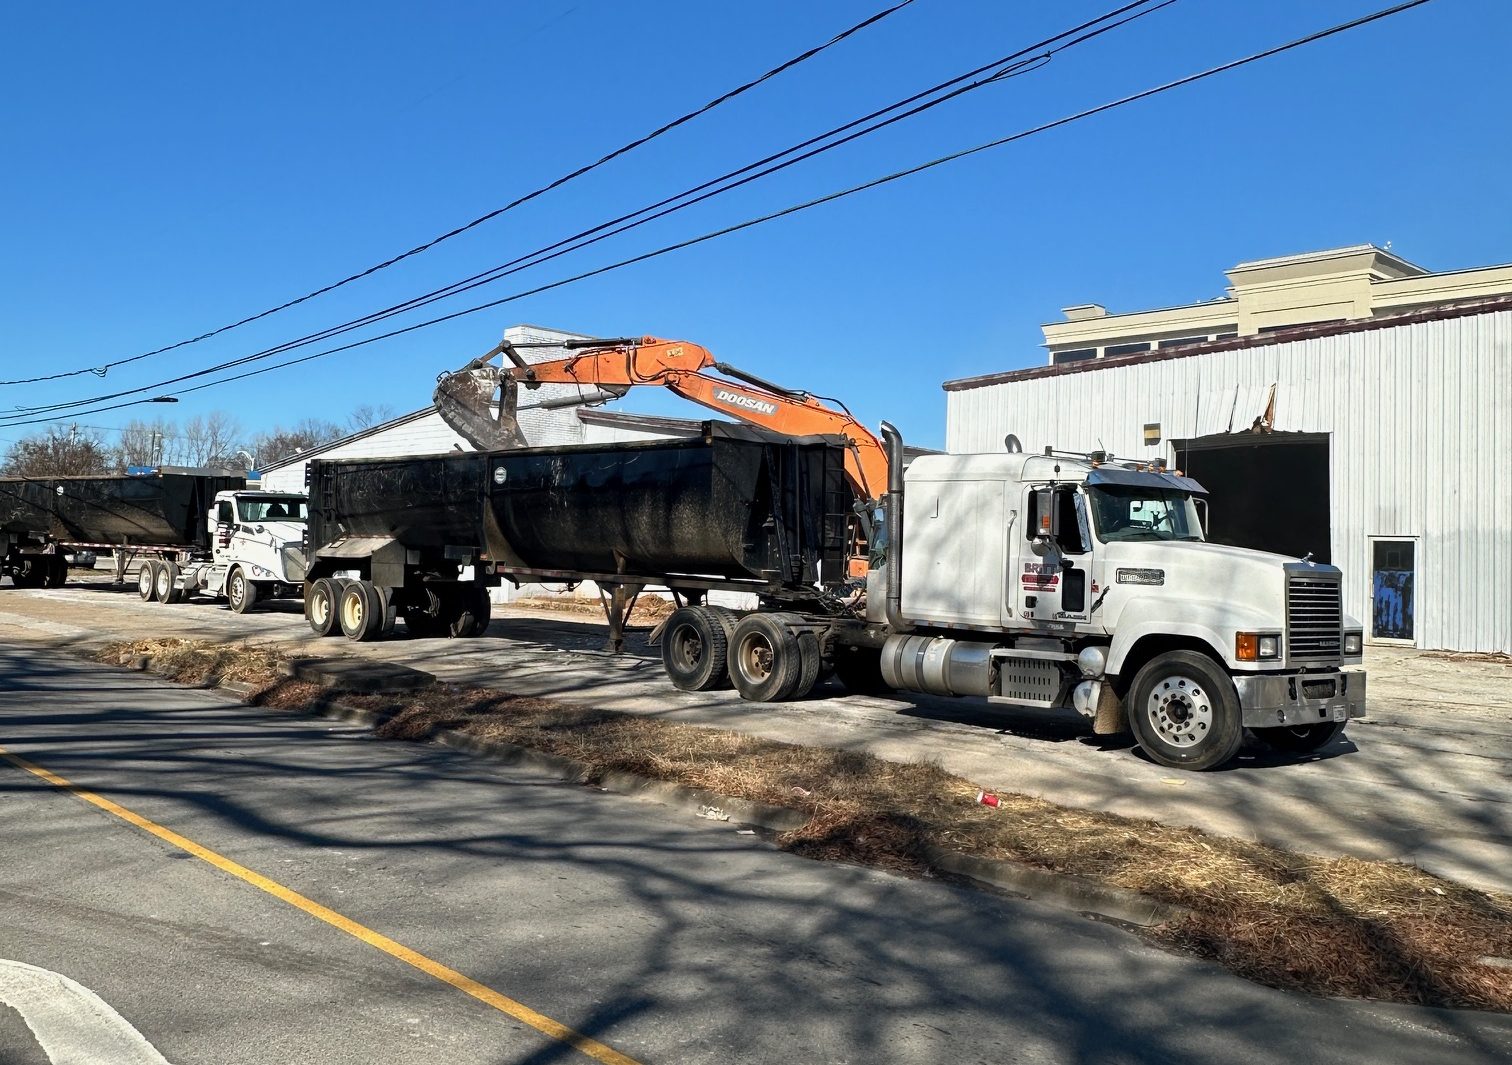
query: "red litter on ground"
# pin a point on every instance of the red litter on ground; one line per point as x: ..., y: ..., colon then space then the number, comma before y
x: 986, y: 798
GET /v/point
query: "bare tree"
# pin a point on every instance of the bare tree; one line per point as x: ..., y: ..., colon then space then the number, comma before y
x: 145, y: 443
x: 280, y: 443
x: 368, y: 414
x: 210, y: 439
x: 57, y: 452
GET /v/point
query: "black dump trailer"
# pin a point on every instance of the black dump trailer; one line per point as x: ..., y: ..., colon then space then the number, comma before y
x: 43, y: 517
x: 423, y: 538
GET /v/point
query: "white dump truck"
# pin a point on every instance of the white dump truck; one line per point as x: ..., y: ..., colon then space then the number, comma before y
x: 253, y: 550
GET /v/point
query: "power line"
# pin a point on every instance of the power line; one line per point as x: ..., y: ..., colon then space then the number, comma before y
x: 819, y: 201
x: 1007, y: 66
x: 101, y: 370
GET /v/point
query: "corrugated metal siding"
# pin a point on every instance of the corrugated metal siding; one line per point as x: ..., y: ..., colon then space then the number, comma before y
x: 1420, y: 419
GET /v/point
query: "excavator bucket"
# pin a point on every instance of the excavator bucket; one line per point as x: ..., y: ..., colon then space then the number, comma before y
x: 465, y: 400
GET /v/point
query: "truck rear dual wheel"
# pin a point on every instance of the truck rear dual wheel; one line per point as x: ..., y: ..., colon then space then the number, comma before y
x: 770, y: 661
x: 165, y: 582
x: 146, y: 581
x: 1184, y: 711
x: 57, y: 571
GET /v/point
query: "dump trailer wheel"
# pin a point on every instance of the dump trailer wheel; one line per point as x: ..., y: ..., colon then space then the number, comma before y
x: 1301, y: 739
x: 165, y: 587
x: 240, y: 591
x: 147, y: 580
x: 727, y: 619
x: 320, y: 607
x: 360, y: 609
x: 765, y: 661
x: 1184, y: 711
x: 695, y: 650
x: 860, y: 670
x: 472, y: 611
x: 57, y: 571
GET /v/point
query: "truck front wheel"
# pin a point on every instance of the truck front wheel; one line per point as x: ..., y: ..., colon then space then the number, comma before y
x: 241, y: 592
x: 1184, y: 711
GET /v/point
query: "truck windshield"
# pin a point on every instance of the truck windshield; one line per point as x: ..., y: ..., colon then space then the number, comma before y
x: 289, y: 509
x: 1125, y: 512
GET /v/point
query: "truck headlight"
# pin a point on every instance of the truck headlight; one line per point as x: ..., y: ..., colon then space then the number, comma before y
x: 1256, y: 647
x: 1354, y: 643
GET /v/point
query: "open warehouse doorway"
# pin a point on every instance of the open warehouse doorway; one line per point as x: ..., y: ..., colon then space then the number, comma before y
x: 1268, y: 491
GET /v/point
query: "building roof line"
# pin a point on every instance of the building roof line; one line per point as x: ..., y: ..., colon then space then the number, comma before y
x: 1302, y: 332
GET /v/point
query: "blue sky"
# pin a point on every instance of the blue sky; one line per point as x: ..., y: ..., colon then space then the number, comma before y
x: 169, y: 168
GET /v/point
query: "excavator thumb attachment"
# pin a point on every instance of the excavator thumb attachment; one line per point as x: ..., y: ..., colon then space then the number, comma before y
x: 465, y: 400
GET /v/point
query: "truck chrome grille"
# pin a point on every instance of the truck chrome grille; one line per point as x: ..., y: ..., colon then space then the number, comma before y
x: 1314, y: 618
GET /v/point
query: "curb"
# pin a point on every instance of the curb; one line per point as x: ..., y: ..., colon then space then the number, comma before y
x: 1060, y: 890
x: 1057, y: 889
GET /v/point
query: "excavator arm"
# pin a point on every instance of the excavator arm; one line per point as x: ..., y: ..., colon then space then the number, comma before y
x: 609, y: 368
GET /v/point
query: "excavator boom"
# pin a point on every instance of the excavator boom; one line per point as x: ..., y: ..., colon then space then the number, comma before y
x: 610, y: 368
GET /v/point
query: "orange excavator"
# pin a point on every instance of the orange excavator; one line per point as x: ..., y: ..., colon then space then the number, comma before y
x: 610, y: 368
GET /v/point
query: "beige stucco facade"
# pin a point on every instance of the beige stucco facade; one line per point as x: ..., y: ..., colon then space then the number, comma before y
x: 1337, y: 285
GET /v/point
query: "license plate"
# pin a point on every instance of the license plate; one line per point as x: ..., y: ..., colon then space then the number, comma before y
x: 1341, y: 713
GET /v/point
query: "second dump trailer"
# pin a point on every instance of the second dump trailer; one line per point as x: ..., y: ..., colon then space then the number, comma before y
x: 42, y: 517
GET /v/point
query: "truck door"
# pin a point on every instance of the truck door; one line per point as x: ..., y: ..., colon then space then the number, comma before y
x: 1055, y: 570
x: 222, y: 528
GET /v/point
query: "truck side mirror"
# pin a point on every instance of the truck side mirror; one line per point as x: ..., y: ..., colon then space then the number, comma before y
x: 1202, y: 513
x: 1046, y: 513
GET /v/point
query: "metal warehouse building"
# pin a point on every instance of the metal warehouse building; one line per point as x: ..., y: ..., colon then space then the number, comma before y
x: 1369, y: 422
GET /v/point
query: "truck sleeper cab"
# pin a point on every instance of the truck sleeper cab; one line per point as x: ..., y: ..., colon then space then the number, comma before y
x: 1056, y: 579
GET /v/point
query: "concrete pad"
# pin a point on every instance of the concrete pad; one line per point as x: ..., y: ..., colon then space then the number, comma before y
x: 354, y: 675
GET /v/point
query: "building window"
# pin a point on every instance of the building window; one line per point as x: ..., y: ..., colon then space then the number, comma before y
x: 1225, y: 336
x: 1124, y: 349
x: 1074, y: 355
x: 1179, y: 341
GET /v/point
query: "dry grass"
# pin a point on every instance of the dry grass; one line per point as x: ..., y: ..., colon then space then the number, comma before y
x: 201, y: 662
x: 649, y: 609
x: 1334, y: 926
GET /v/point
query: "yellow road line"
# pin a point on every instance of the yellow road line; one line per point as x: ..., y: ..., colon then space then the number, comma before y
x: 487, y: 995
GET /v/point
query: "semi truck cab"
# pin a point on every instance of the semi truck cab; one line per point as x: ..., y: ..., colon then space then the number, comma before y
x: 256, y: 552
x: 1066, y: 579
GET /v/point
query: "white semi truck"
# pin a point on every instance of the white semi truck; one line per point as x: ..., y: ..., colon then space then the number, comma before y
x: 254, y: 550
x: 1058, y: 579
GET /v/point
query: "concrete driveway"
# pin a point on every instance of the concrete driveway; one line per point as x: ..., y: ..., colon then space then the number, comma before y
x: 1421, y: 780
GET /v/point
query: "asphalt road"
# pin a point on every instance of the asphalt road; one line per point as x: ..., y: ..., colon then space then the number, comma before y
x: 662, y: 938
x: 1423, y: 779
